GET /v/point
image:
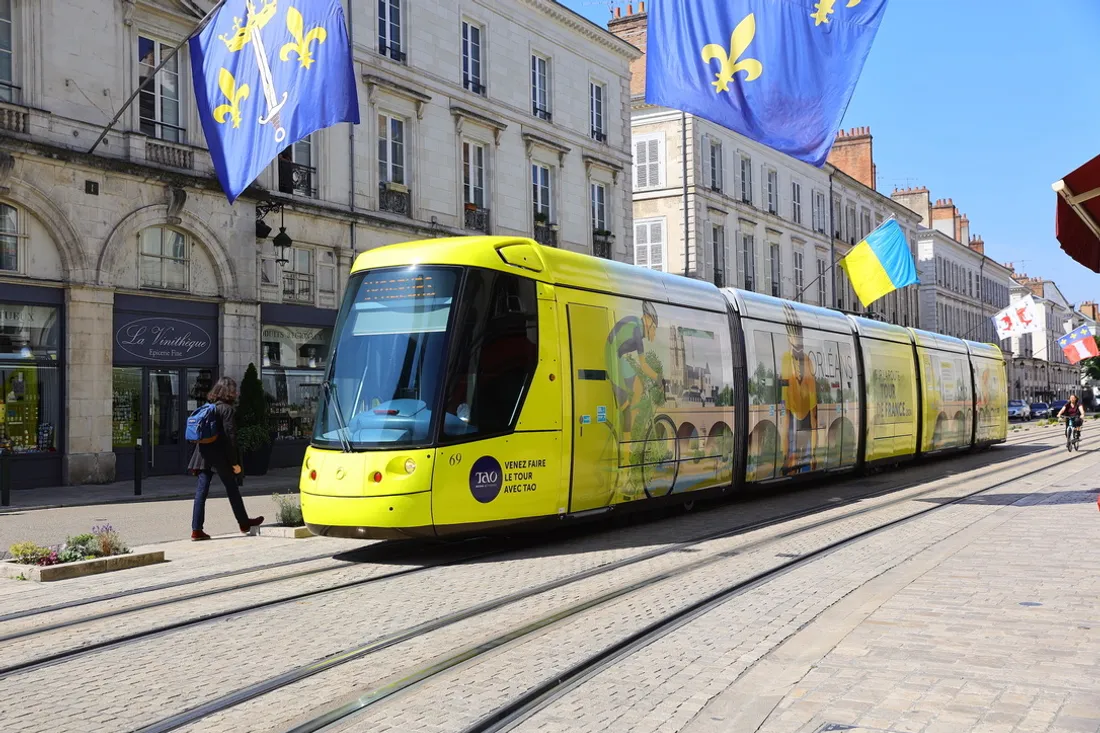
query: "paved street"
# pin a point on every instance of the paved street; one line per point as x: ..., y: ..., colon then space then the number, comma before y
x: 979, y: 615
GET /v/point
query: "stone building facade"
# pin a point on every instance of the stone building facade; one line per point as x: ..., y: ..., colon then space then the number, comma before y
x: 1042, y: 373
x: 128, y: 283
x: 756, y: 219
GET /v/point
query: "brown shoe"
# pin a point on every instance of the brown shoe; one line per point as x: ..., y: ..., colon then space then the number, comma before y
x: 251, y: 523
x: 198, y: 535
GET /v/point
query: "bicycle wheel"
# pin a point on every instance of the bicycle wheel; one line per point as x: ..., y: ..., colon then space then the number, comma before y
x: 660, y: 456
x: 1069, y: 439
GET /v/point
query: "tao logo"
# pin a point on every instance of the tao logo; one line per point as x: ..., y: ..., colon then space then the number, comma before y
x: 486, y: 478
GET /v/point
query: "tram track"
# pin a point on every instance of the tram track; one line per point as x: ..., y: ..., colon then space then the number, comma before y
x: 298, y: 674
x: 506, y: 716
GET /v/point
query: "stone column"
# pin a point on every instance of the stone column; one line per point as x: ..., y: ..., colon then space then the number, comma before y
x: 240, y: 338
x: 89, y: 379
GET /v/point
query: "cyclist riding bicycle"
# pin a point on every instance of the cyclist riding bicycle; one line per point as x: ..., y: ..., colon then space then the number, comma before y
x: 1074, y: 414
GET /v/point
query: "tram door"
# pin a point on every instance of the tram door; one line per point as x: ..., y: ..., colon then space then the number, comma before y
x: 595, y: 443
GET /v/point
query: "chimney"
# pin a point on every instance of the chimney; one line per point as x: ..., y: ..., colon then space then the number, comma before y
x: 631, y: 27
x: 977, y: 244
x: 1090, y: 309
x: 852, y: 153
x: 917, y: 200
x: 962, y: 229
x: 944, y: 216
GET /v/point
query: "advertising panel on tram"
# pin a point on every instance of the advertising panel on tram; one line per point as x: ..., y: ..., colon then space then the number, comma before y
x: 890, y: 384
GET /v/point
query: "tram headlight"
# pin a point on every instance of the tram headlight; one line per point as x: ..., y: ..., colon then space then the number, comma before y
x: 410, y: 466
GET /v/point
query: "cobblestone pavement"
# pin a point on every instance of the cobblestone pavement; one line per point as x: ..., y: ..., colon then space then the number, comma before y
x: 133, y: 685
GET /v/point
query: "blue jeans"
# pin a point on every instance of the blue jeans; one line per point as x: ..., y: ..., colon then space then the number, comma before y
x: 202, y: 490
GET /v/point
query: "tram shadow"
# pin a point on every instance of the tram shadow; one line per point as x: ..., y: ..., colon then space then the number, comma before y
x: 744, y: 510
x: 1081, y: 496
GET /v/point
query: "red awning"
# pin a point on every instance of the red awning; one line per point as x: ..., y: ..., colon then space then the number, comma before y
x: 1077, y: 222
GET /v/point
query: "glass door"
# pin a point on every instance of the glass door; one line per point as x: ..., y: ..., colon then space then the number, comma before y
x: 165, y: 453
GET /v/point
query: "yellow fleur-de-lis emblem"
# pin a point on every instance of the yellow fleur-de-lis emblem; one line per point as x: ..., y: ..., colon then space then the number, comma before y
x: 729, y: 64
x: 825, y: 8
x: 235, y: 94
x: 300, y: 46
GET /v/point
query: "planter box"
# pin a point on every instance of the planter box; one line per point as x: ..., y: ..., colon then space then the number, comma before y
x: 81, y: 568
x: 292, y: 533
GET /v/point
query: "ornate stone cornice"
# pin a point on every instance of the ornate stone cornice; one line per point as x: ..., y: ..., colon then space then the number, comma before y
x: 585, y: 27
x: 530, y: 140
x: 591, y: 161
x: 419, y: 98
x: 462, y: 114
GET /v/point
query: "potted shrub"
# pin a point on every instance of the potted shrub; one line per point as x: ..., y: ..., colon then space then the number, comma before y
x: 253, y: 425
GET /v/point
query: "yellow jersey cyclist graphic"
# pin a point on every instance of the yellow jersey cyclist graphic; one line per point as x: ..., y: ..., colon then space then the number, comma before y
x: 626, y: 343
x: 799, y: 395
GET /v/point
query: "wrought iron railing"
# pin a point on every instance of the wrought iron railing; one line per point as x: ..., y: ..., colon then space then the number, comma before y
x: 394, y: 199
x: 601, y: 244
x: 477, y: 219
x: 599, y: 135
x: 541, y: 112
x: 474, y: 85
x: 297, y: 287
x: 295, y: 178
x: 392, y: 50
x: 10, y: 93
x: 546, y: 234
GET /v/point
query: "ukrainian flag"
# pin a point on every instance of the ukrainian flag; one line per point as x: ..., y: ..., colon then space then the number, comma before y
x: 881, y: 263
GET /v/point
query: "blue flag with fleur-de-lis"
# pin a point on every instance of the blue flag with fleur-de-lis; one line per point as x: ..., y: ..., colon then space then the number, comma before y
x: 780, y: 72
x: 268, y: 73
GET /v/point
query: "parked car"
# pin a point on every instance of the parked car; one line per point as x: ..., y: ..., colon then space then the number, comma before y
x: 1040, y: 410
x: 1018, y: 410
x: 1056, y: 407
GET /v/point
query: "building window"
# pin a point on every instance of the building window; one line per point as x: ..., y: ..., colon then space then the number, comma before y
x: 597, y: 98
x: 716, y: 166
x: 297, y: 174
x: 326, y: 272
x: 473, y: 174
x: 159, y: 101
x: 746, y: 179
x: 598, y: 200
x: 540, y: 193
x: 775, y: 270
x: 773, y: 192
x: 798, y: 275
x: 866, y: 228
x: 796, y: 202
x: 389, y: 29
x: 8, y: 89
x: 819, y: 212
x: 821, y: 282
x: 391, y: 149
x: 748, y: 257
x: 850, y: 220
x: 295, y: 359
x: 165, y: 260
x: 472, y: 77
x: 9, y: 238
x: 540, y: 87
x: 298, y: 276
x: 838, y: 221
x: 29, y: 378
x: 649, y: 161
x: 718, y: 246
x: 649, y: 244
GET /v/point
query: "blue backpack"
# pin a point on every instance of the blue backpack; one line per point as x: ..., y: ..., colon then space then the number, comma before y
x: 202, y: 424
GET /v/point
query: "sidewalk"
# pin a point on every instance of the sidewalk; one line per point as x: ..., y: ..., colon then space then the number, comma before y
x: 153, y: 488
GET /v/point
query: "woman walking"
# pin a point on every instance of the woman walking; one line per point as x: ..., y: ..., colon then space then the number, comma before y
x: 222, y: 457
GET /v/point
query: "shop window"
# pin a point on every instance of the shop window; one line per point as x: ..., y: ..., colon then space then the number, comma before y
x: 30, y: 381
x: 165, y: 259
x: 294, y: 362
x: 9, y: 238
x: 496, y: 357
x: 159, y: 101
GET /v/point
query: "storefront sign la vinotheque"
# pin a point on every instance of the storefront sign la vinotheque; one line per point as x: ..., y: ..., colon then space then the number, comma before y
x: 163, y: 339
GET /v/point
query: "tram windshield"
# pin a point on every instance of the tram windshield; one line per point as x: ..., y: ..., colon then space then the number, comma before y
x: 386, y: 369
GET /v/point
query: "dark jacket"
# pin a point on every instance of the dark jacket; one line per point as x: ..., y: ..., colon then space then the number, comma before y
x: 223, y: 451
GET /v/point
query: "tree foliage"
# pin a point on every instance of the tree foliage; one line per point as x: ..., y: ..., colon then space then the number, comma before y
x: 253, y: 431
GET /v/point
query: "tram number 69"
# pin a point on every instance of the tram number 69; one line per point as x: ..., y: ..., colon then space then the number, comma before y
x: 455, y: 459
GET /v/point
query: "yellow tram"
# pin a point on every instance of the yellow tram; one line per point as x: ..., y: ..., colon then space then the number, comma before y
x: 480, y: 382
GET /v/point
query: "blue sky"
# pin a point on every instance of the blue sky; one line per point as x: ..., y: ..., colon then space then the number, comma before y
x: 986, y: 103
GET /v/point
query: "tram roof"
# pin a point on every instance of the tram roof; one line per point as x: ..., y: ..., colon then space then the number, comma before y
x: 523, y: 256
x: 989, y: 351
x: 938, y: 341
x: 777, y: 310
x: 871, y: 329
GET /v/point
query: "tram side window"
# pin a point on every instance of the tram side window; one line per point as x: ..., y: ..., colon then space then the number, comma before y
x: 496, y: 353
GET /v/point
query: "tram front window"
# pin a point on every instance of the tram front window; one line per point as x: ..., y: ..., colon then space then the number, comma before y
x: 387, y: 368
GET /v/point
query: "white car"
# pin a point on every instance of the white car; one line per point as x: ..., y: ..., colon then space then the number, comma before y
x: 1018, y: 410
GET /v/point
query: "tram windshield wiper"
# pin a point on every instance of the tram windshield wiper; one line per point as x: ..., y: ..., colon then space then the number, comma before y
x: 341, y: 426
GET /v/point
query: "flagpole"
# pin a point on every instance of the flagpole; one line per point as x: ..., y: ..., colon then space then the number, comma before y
x: 798, y: 295
x: 684, y: 155
x: 164, y: 62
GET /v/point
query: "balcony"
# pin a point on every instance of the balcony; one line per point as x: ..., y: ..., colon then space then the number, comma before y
x: 171, y: 155
x: 546, y: 234
x: 719, y: 279
x: 473, y: 85
x: 13, y: 117
x: 297, y: 288
x: 601, y: 243
x: 599, y: 136
x: 395, y: 198
x: 393, y: 51
x: 297, y: 179
x: 542, y: 113
x: 477, y: 218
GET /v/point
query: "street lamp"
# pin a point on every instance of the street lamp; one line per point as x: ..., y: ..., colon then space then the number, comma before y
x: 282, y: 240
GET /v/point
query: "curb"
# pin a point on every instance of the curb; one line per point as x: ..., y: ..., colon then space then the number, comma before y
x: 80, y: 568
x: 190, y: 494
x: 293, y: 533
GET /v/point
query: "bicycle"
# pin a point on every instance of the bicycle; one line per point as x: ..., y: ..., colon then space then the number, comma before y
x: 1073, y: 434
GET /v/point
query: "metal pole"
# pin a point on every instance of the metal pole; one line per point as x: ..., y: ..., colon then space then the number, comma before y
x: 202, y: 24
x: 832, y: 238
x: 5, y: 478
x: 139, y: 467
x: 684, y: 150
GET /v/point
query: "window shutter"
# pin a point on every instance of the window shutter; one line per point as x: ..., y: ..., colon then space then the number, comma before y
x: 654, y: 162
x: 641, y: 170
x: 656, y: 245
x: 641, y: 245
